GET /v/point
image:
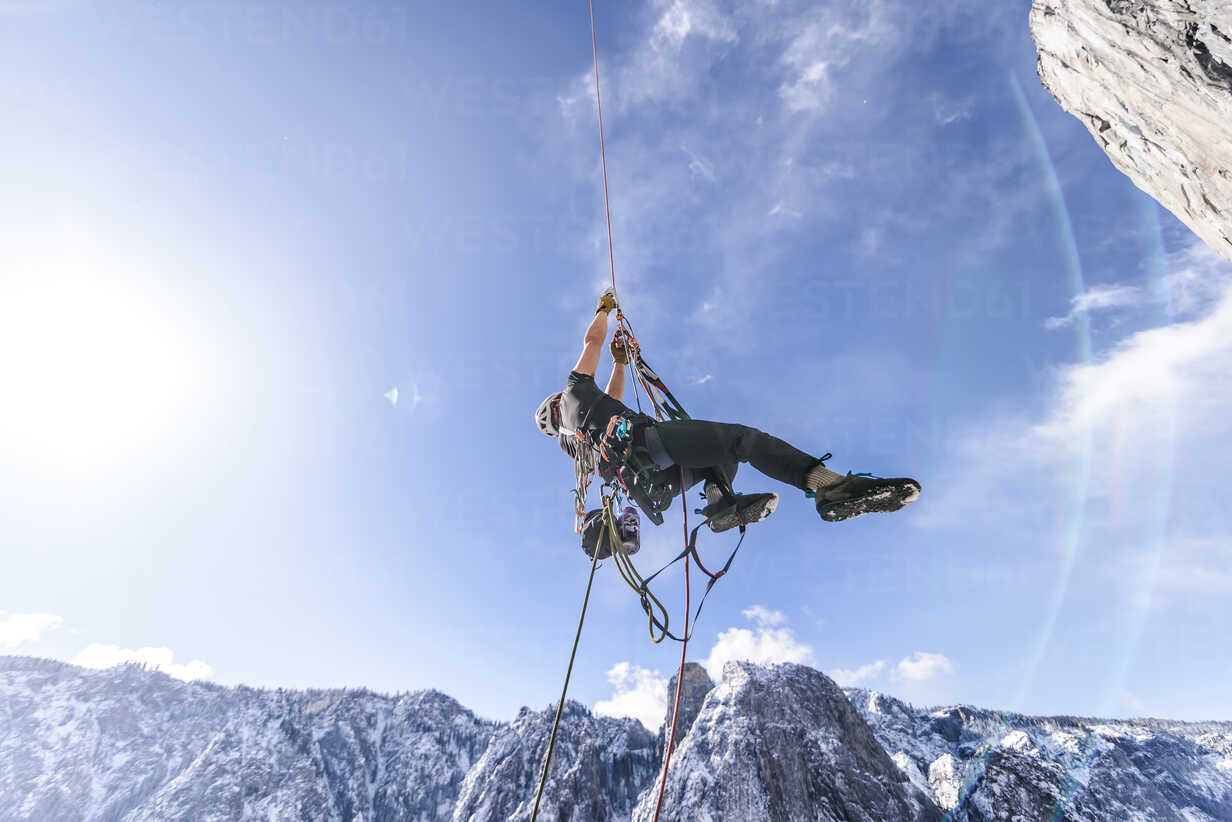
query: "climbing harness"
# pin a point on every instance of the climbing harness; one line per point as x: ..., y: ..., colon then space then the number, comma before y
x: 623, y: 463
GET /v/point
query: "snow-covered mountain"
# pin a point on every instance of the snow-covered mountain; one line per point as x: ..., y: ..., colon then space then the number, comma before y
x: 774, y: 743
x: 994, y: 765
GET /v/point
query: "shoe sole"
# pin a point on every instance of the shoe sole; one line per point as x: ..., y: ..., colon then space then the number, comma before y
x: 884, y: 500
x: 755, y: 510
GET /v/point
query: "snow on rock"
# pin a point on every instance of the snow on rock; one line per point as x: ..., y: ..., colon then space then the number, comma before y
x: 912, y: 772
x: 783, y: 743
x: 1016, y: 741
x: 990, y: 765
x: 132, y: 744
x: 697, y: 684
x: 945, y: 780
x: 1152, y: 82
x: 599, y: 766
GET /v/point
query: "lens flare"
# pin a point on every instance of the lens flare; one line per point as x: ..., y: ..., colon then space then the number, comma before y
x: 1079, y: 472
x: 1074, y: 516
x: 409, y: 402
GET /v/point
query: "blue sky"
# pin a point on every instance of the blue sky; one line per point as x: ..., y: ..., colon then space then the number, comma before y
x: 231, y: 229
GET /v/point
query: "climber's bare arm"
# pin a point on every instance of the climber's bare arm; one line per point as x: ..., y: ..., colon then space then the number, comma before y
x: 616, y: 383
x: 592, y: 345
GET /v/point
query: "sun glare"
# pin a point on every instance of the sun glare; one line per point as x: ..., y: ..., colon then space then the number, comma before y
x: 95, y: 372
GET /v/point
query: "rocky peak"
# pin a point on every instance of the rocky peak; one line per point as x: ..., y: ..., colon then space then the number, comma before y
x: 1152, y: 82
x: 697, y: 683
x: 783, y: 742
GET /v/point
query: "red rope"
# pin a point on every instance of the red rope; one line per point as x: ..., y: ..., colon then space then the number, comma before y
x: 684, y: 646
x: 594, y: 47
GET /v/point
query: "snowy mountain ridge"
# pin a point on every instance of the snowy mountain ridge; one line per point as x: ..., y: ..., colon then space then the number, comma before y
x: 777, y: 742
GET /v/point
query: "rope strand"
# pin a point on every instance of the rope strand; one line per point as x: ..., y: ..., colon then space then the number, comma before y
x: 684, y: 646
x: 607, y: 209
x: 560, y: 706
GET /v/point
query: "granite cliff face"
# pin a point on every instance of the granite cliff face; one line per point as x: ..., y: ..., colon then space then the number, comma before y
x: 697, y: 684
x: 783, y: 743
x: 764, y: 743
x: 985, y: 765
x: 599, y: 768
x: 134, y: 745
x: 1152, y: 81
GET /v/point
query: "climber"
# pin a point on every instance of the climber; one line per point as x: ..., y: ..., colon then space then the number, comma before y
x: 583, y: 419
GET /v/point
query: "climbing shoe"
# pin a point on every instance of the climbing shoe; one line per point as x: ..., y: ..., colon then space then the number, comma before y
x: 723, y: 514
x: 855, y: 496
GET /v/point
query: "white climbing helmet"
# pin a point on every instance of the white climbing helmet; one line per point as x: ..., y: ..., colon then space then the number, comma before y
x: 547, y: 416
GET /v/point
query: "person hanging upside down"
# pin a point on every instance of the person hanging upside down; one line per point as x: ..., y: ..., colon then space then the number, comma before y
x: 583, y: 420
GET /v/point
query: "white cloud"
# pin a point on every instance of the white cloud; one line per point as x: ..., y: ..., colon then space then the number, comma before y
x: 1196, y: 281
x: 919, y: 667
x: 1148, y: 374
x: 640, y: 694
x: 780, y: 208
x: 665, y: 66
x: 948, y: 113
x: 811, y: 90
x: 770, y: 642
x: 922, y: 666
x: 702, y: 380
x: 1099, y: 298
x: 763, y: 616
x: 97, y: 655
x: 698, y: 18
x: 1197, y: 278
x: 851, y: 678
x: 17, y: 629
x: 698, y: 165
x: 695, y: 76
x: 825, y: 45
x: 1115, y: 429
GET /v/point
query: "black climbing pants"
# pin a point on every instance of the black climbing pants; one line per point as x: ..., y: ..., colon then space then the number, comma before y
x: 699, y: 444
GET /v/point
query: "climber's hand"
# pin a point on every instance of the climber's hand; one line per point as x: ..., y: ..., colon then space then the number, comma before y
x: 620, y: 351
x: 607, y: 301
